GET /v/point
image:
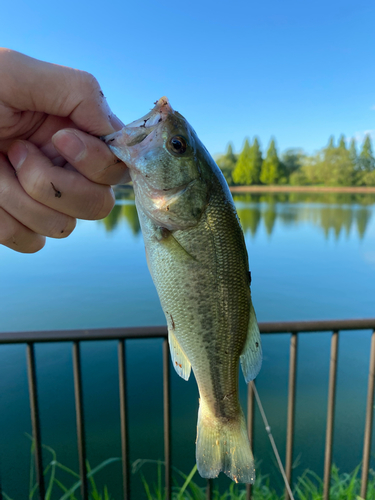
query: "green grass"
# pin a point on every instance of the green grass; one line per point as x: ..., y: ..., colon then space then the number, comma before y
x: 309, y: 486
x: 63, y: 481
x: 71, y: 483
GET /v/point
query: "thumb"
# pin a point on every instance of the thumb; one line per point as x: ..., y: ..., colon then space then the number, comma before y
x: 28, y: 84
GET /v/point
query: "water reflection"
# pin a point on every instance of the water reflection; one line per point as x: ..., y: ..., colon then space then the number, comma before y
x: 333, y: 213
x: 126, y: 212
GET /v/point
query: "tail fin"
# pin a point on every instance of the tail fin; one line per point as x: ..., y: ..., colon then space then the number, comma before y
x: 223, y: 446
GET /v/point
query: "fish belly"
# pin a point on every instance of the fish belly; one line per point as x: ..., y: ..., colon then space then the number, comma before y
x: 201, y: 275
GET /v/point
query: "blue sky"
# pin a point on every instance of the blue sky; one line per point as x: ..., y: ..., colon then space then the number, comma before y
x: 298, y: 71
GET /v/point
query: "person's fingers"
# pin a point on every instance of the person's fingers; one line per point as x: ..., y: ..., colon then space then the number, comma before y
x: 90, y: 156
x: 65, y: 191
x: 16, y: 236
x: 32, y: 85
x: 35, y: 216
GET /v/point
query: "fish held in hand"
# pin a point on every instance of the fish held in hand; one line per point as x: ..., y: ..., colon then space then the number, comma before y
x: 197, y: 257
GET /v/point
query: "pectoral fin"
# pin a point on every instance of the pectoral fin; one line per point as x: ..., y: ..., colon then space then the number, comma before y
x: 168, y: 239
x: 180, y: 361
x: 251, y: 357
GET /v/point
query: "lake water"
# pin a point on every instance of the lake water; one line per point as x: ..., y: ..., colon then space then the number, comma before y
x: 311, y: 257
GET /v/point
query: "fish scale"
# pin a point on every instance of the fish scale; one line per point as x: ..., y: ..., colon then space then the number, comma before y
x: 198, y: 261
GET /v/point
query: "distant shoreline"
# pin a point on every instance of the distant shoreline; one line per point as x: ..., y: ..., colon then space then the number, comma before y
x: 301, y: 189
x: 287, y: 189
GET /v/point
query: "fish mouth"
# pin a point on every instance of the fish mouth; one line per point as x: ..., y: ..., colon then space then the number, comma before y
x: 137, y: 131
x: 158, y: 114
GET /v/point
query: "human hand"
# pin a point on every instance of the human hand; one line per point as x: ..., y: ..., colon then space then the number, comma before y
x: 53, y: 166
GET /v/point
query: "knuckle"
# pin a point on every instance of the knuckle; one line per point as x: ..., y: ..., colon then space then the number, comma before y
x: 34, y: 185
x: 89, y: 81
x: 15, y: 236
x: 4, y: 189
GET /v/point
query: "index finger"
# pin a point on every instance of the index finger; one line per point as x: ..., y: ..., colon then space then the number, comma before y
x: 32, y: 85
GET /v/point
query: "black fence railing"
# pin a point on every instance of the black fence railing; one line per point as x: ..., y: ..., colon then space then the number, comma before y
x: 123, y: 334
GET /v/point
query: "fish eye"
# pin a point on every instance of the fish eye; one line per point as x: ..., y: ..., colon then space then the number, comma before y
x: 178, y: 145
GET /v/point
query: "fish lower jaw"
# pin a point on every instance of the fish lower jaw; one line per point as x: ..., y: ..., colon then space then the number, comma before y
x: 143, y: 187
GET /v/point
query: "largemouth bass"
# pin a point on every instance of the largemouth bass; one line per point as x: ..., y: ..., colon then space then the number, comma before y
x: 197, y: 257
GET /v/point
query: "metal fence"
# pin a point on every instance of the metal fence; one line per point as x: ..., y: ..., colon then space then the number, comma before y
x: 123, y: 334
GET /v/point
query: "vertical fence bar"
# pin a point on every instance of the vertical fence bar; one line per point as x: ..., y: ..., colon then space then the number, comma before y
x: 330, y: 414
x: 291, y: 409
x: 167, y: 420
x: 33, y: 393
x: 80, y: 419
x: 369, y: 417
x: 123, y: 414
x: 250, y: 428
x: 209, y: 489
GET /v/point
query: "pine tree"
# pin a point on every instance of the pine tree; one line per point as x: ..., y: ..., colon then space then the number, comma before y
x: 353, y: 153
x: 331, y: 143
x: 241, y: 172
x: 227, y: 164
x: 256, y: 161
x: 342, y: 143
x: 366, y: 158
x: 271, y: 168
x: 366, y: 164
x: 336, y: 167
x: 353, y: 157
x: 229, y: 155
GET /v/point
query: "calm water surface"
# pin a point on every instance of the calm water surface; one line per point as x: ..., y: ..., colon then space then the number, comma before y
x: 311, y: 257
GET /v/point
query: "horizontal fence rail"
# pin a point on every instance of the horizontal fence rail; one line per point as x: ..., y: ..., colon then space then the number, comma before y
x: 121, y: 334
x: 149, y: 332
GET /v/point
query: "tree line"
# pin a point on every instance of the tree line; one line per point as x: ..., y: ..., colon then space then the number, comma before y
x: 333, y: 165
x: 334, y: 213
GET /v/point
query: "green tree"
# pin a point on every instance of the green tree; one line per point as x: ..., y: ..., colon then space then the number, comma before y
x: 334, y: 166
x: 366, y: 157
x: 353, y: 153
x: 271, y: 171
x: 344, y: 173
x: 256, y: 161
x: 366, y: 164
x: 291, y: 161
x: 342, y: 142
x: 227, y: 164
x: 331, y: 142
x: 241, y: 174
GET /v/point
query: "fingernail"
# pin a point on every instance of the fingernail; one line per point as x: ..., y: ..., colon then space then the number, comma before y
x: 116, y: 123
x: 17, y: 154
x: 69, y: 145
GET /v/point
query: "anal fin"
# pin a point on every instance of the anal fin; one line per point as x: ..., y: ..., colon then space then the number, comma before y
x: 179, y: 359
x: 251, y: 357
